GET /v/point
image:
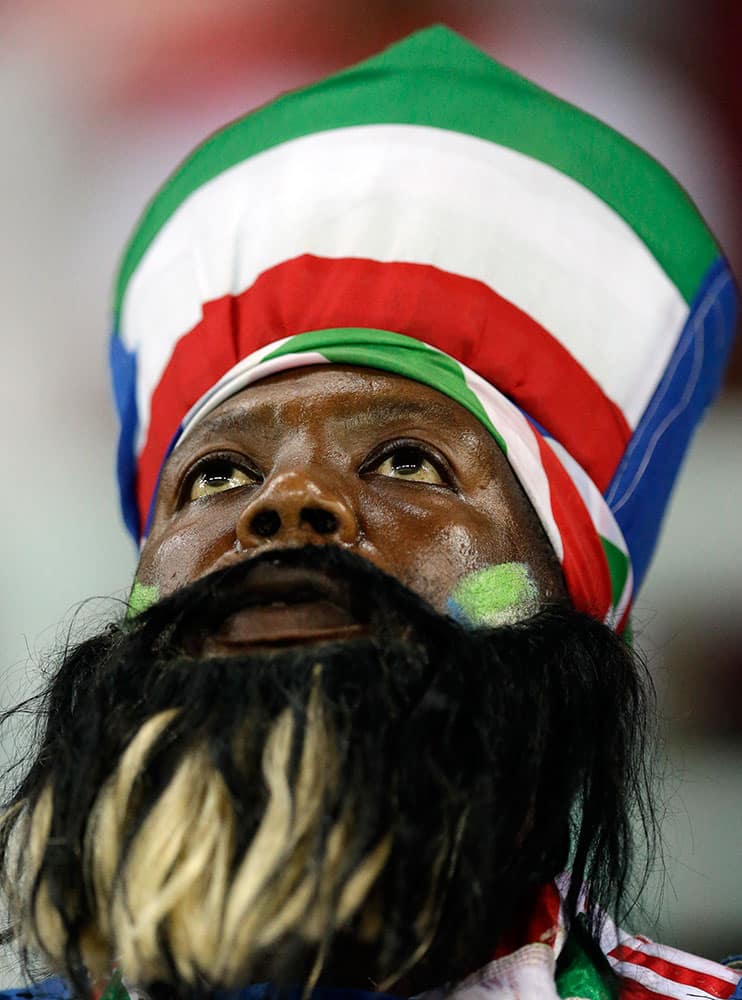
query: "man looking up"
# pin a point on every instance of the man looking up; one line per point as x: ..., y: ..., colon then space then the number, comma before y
x: 406, y: 363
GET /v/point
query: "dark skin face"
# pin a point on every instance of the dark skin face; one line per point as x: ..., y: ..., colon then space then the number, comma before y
x: 386, y: 467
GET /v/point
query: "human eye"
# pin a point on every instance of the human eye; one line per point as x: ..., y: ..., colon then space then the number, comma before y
x: 411, y: 462
x: 217, y: 474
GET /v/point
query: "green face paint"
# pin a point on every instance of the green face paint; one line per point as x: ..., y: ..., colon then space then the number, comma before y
x: 495, y: 595
x: 142, y: 596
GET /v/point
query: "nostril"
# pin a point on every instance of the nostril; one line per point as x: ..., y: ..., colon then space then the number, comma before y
x: 266, y: 523
x: 324, y: 522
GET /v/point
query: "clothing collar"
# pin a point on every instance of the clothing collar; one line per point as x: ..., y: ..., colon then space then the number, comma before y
x: 540, y: 960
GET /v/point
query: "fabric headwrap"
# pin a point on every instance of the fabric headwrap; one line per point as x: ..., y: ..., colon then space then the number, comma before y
x: 431, y: 213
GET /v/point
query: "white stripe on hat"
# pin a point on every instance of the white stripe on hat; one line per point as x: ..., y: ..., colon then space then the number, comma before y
x: 423, y: 195
x: 603, y: 519
x: 523, y: 451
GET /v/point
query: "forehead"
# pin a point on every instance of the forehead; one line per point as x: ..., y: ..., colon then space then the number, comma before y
x: 342, y: 398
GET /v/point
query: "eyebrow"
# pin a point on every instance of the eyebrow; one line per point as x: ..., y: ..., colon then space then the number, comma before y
x: 218, y: 422
x: 369, y: 410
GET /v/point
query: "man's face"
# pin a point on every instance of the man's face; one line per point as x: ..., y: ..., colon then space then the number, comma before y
x: 382, y: 466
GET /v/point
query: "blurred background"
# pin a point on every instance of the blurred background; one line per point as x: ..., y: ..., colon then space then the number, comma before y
x: 99, y: 101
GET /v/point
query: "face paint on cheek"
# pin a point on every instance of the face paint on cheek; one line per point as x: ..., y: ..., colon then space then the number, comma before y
x: 142, y: 596
x: 496, y: 595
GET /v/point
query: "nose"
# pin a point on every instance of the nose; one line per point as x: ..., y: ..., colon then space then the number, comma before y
x: 299, y: 506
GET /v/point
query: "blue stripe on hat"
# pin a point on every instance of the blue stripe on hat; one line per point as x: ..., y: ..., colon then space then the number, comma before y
x: 639, y: 490
x: 123, y: 365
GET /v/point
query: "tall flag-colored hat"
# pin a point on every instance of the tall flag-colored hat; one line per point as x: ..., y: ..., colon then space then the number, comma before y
x: 431, y: 213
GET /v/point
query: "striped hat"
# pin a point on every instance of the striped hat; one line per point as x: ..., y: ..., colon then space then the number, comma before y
x: 431, y: 213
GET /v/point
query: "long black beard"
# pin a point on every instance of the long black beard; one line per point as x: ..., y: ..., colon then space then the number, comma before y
x: 487, y: 761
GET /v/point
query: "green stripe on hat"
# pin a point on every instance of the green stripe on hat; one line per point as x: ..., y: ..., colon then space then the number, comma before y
x: 410, y: 83
x: 618, y: 568
x: 393, y: 352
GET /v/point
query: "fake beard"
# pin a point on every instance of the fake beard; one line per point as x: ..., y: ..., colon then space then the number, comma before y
x: 354, y: 809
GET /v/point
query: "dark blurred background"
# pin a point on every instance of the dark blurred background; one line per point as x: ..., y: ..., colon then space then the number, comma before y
x: 99, y: 101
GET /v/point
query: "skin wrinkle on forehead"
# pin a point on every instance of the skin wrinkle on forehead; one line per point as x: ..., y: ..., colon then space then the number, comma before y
x: 363, y: 411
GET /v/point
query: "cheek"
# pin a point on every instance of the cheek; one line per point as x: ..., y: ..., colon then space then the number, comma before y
x: 431, y: 548
x: 180, y: 556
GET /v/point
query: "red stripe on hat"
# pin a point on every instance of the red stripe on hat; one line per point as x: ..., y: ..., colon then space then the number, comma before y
x: 676, y: 973
x: 463, y: 317
x: 584, y: 564
x: 199, y: 360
